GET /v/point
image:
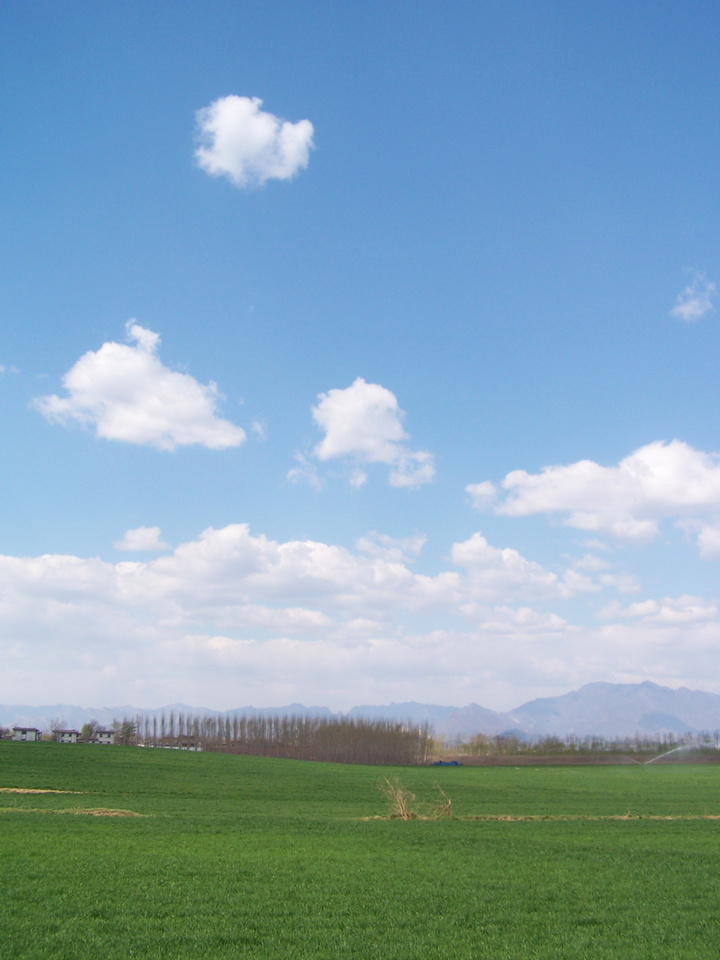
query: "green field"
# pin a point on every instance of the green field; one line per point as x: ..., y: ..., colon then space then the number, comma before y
x: 249, y: 857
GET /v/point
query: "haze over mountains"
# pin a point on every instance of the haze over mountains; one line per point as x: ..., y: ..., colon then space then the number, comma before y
x: 602, y: 709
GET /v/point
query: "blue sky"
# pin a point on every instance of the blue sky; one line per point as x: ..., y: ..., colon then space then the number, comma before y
x: 358, y: 354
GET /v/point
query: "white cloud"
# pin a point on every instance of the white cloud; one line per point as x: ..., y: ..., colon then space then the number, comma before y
x: 126, y: 394
x: 357, y: 477
x: 709, y: 541
x: 141, y: 539
x: 240, y: 141
x: 623, y: 582
x: 594, y: 544
x: 363, y: 420
x: 591, y: 562
x: 670, y: 611
x: 412, y: 469
x: 259, y: 430
x: 482, y: 494
x: 390, y: 548
x: 507, y: 620
x: 494, y: 572
x: 659, y: 481
x: 696, y: 300
x: 575, y: 583
x: 242, y: 618
x: 305, y: 472
x: 363, y: 423
x: 237, y: 580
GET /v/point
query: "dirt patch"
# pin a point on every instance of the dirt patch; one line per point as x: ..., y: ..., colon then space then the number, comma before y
x: 78, y: 811
x: 560, y: 818
x: 102, y: 812
x: 35, y: 790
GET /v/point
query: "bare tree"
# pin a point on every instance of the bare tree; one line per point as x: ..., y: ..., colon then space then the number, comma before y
x: 56, y: 725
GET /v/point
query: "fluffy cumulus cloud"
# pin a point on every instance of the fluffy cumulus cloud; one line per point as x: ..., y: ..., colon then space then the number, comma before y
x: 141, y: 539
x: 494, y: 572
x: 232, y: 617
x: 363, y: 425
x: 249, y: 146
x: 628, y: 501
x: 125, y: 392
x: 670, y: 610
x: 696, y: 300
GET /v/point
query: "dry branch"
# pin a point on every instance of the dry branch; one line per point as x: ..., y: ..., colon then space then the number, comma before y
x: 400, y: 800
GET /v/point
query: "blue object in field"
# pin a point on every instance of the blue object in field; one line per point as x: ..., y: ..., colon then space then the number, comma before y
x: 447, y: 763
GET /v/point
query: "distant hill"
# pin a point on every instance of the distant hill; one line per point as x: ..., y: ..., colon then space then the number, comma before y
x: 602, y: 709
x: 449, y: 722
x: 621, y: 709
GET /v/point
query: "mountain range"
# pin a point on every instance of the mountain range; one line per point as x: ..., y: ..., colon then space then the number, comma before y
x: 600, y: 709
x: 596, y: 709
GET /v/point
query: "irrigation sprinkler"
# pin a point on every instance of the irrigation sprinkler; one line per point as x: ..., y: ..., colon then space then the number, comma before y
x: 685, y: 746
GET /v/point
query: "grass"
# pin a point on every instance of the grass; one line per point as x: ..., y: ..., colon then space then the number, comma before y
x: 244, y: 857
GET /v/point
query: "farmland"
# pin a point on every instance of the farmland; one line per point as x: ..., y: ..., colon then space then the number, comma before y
x: 164, y: 854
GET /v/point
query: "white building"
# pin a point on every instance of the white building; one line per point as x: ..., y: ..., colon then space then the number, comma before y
x: 67, y: 736
x: 26, y: 733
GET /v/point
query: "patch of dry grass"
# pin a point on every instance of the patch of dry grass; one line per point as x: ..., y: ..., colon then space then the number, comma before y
x: 35, y: 790
x: 443, y: 810
x: 80, y: 811
x: 563, y: 818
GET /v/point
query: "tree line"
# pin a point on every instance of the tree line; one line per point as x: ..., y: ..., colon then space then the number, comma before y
x: 509, y: 744
x: 332, y: 739
x: 358, y: 740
